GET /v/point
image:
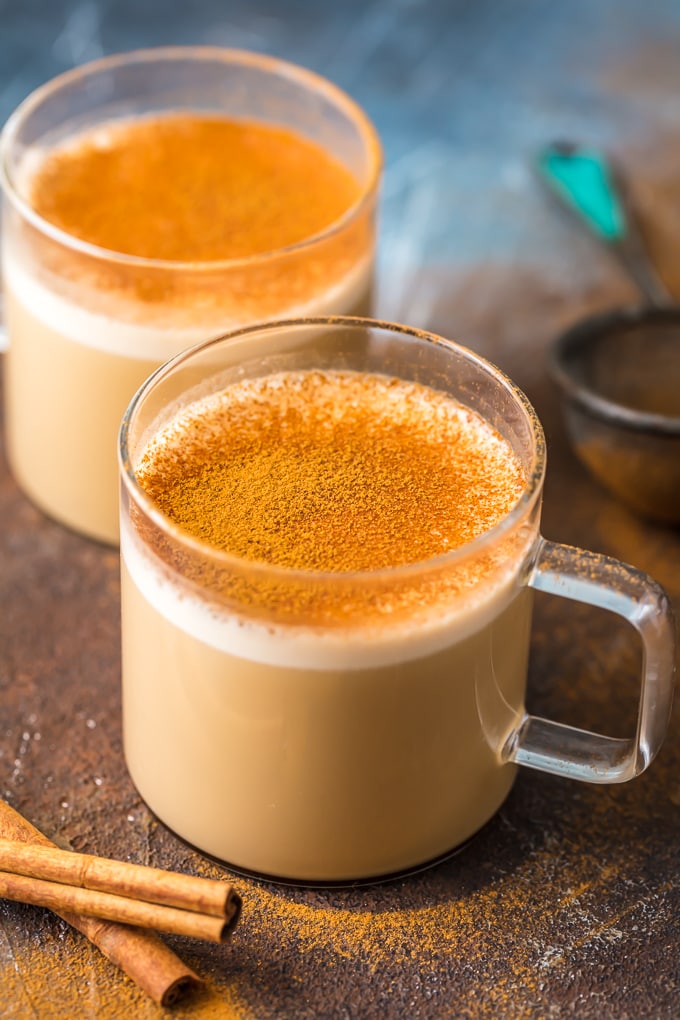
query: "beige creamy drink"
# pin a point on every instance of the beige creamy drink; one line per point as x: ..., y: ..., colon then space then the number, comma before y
x: 344, y: 722
x: 173, y: 236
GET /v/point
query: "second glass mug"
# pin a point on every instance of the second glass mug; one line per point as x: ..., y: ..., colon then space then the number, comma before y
x: 86, y: 325
x: 306, y: 748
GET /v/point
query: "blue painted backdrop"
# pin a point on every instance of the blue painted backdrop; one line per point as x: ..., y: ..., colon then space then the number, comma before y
x: 461, y: 92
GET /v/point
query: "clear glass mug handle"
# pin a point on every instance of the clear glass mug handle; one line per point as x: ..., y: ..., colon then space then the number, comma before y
x: 579, y: 754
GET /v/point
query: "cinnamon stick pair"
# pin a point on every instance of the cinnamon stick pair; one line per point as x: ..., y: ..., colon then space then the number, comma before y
x: 117, y: 891
x: 95, y: 895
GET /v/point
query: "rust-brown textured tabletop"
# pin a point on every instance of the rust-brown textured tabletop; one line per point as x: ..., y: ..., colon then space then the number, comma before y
x: 568, y: 903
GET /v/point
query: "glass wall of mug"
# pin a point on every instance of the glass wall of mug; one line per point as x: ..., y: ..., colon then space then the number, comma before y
x: 336, y: 725
x: 93, y: 306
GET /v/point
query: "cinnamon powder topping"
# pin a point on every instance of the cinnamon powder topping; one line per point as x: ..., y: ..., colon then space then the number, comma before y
x: 189, y: 187
x: 335, y: 471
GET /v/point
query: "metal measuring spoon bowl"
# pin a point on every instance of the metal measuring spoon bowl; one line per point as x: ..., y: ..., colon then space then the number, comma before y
x: 619, y: 371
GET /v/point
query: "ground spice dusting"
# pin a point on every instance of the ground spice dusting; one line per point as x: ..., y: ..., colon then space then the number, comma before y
x: 334, y: 471
x: 60, y: 976
x: 471, y: 939
x: 459, y: 930
x: 192, y: 188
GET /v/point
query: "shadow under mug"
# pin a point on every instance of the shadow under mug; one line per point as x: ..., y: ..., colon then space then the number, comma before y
x: 286, y: 745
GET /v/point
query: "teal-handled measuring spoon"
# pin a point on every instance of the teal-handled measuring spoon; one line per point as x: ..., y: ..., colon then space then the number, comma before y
x: 593, y: 188
x: 619, y: 370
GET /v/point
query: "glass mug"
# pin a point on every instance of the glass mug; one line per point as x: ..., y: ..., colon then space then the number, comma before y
x: 86, y: 325
x: 289, y: 742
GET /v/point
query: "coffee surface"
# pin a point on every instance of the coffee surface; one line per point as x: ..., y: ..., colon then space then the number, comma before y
x: 331, y: 471
x: 189, y: 187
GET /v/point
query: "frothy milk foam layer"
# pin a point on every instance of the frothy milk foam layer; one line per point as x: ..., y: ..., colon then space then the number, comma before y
x: 394, y: 405
x: 144, y: 342
x: 299, y: 751
x: 301, y: 647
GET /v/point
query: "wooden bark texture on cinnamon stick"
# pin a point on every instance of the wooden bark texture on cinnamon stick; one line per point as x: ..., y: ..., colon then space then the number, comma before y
x: 140, y: 953
x: 109, y: 907
x: 123, y: 879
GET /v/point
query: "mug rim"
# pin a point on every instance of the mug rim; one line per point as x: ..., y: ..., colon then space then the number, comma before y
x: 530, y: 494
x: 218, y: 54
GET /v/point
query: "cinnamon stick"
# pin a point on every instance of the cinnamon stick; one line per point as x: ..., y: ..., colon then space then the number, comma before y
x: 109, y: 907
x: 134, y: 881
x: 143, y: 956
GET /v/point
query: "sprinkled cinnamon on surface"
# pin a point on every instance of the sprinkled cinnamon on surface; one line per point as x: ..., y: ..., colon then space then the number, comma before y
x: 191, y: 187
x: 335, y: 471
